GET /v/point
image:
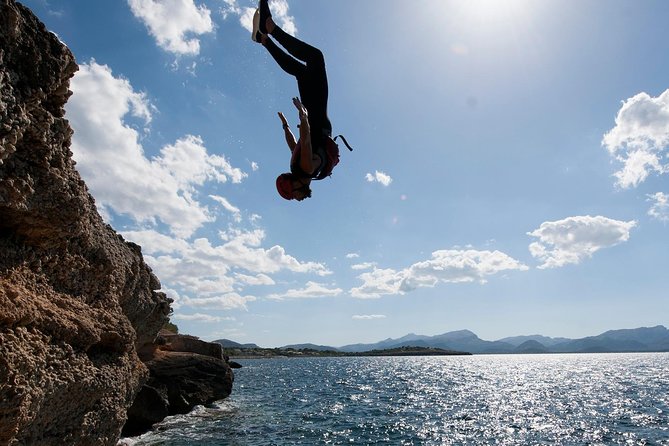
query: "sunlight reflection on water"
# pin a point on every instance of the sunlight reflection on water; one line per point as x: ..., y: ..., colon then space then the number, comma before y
x: 500, y: 399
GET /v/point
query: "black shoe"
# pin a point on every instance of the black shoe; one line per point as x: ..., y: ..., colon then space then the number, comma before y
x: 263, y: 7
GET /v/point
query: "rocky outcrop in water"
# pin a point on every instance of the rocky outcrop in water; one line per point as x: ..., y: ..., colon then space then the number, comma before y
x: 76, y: 300
x: 183, y: 372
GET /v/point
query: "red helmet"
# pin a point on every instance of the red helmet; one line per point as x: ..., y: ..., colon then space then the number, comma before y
x: 284, y: 184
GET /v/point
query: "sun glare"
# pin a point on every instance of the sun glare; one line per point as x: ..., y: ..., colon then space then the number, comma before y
x: 492, y: 12
x: 485, y: 8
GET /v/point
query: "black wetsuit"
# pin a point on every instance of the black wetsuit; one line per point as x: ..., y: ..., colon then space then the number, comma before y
x: 312, y: 82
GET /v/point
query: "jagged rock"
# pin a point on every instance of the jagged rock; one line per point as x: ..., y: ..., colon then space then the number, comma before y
x: 184, y: 371
x: 185, y: 343
x: 234, y: 365
x: 150, y: 407
x: 76, y: 300
x: 178, y: 382
x: 190, y: 379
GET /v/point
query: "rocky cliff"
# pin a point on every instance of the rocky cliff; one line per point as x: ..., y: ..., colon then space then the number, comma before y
x: 76, y: 300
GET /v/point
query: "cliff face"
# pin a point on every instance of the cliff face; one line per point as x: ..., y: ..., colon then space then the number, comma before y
x: 76, y: 300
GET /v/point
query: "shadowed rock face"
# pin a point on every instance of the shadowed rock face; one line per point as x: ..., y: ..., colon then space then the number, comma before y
x: 184, y: 372
x: 76, y: 300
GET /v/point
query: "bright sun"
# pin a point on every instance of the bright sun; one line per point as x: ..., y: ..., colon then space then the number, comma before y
x: 493, y: 11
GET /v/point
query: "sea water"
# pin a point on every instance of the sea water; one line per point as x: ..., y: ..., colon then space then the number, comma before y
x: 565, y: 399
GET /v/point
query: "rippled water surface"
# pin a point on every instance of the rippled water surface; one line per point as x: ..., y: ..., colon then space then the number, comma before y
x: 597, y: 399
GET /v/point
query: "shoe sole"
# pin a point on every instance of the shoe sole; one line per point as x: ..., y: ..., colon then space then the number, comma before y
x: 256, y: 25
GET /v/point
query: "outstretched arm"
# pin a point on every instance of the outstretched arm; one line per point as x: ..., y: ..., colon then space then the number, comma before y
x: 307, y: 162
x: 290, y: 138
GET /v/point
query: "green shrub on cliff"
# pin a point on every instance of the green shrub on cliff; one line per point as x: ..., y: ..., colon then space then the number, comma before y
x: 171, y: 327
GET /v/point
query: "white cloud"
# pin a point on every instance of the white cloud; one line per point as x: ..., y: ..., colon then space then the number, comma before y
x: 379, y: 177
x: 368, y: 317
x: 640, y: 138
x: 231, y: 7
x: 312, y: 290
x: 445, y: 266
x: 246, y: 18
x: 153, y: 242
x: 228, y: 301
x: 258, y: 279
x: 660, y: 208
x: 574, y: 239
x: 236, y: 213
x: 174, y: 23
x: 112, y: 161
x: 174, y: 295
x: 364, y: 265
x: 377, y: 283
x: 200, y: 317
x: 215, y: 274
x: 352, y: 255
x: 638, y: 165
x: 279, y: 10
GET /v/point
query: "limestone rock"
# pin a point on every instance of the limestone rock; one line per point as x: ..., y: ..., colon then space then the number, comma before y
x: 150, y: 407
x: 185, y: 343
x: 184, y: 371
x: 76, y: 300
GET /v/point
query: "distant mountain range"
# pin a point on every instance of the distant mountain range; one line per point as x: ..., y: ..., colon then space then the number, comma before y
x: 644, y: 339
x: 226, y: 343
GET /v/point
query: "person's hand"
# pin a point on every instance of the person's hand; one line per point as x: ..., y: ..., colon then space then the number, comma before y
x: 301, y: 109
x: 284, y: 123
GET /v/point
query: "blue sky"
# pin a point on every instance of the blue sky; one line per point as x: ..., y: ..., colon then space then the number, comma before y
x: 509, y: 173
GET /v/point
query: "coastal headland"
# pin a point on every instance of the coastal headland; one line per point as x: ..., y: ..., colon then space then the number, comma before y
x: 80, y: 310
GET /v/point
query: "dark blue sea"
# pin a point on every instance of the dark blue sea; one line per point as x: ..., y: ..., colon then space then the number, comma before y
x: 566, y: 399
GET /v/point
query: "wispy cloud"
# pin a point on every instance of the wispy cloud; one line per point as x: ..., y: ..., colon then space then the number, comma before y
x: 368, y: 317
x: 217, y: 301
x: 279, y: 8
x: 113, y: 163
x: 236, y: 213
x: 200, y: 317
x: 258, y: 279
x: 363, y: 265
x: 352, y: 255
x: 640, y: 138
x: 574, y: 239
x: 445, y: 266
x: 173, y: 23
x: 379, y: 177
x: 228, y: 301
x: 50, y: 9
x: 660, y: 206
x: 312, y: 290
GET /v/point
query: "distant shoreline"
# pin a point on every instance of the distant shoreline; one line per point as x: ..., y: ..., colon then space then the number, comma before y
x: 262, y: 353
x: 333, y: 354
